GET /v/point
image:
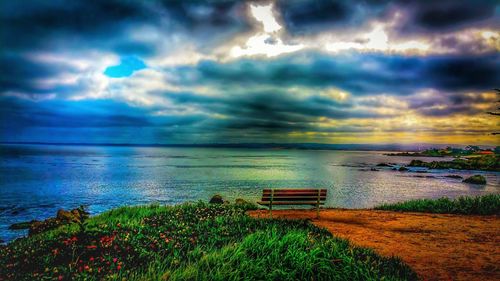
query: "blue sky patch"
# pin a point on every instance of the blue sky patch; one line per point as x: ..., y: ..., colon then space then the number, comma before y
x: 127, y: 66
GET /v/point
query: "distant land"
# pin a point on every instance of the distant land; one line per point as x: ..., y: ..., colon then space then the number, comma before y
x: 304, y: 146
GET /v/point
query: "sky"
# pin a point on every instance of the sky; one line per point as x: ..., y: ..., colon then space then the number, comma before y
x: 181, y: 72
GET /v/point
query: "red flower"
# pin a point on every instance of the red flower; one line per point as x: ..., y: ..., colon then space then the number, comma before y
x: 119, y: 267
x: 115, y: 259
x: 91, y: 247
x: 60, y: 277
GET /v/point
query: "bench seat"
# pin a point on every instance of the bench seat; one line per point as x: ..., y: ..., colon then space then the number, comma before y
x: 293, y: 196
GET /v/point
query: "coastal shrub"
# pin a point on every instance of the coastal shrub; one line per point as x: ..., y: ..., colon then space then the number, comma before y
x: 475, y: 179
x: 480, y: 205
x: 199, y: 240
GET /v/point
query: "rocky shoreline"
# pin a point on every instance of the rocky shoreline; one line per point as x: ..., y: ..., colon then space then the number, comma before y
x: 63, y: 217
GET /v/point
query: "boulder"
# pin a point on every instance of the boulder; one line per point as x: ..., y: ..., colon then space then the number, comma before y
x: 22, y: 225
x: 216, y: 199
x: 78, y: 215
x: 403, y: 169
x: 66, y: 216
x: 475, y: 179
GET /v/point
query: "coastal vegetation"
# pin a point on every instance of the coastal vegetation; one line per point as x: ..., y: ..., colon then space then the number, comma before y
x: 192, y: 241
x: 485, y: 163
x: 481, y: 205
x: 470, y: 150
x: 475, y: 179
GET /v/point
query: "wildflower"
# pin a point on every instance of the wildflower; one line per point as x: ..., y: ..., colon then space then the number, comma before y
x: 60, y: 277
x: 91, y: 247
x: 115, y: 259
x: 119, y: 267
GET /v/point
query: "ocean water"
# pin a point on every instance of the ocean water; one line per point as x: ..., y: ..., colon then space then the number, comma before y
x: 37, y: 180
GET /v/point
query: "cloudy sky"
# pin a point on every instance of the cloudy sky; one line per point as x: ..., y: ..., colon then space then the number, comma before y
x: 369, y: 71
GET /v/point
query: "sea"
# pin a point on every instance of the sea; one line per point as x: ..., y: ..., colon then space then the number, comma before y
x: 37, y: 180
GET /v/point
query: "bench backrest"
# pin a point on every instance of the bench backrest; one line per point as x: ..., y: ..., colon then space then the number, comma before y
x: 294, y: 196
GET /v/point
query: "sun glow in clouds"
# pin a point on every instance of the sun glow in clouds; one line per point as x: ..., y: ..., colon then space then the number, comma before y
x: 266, y: 43
x: 264, y: 14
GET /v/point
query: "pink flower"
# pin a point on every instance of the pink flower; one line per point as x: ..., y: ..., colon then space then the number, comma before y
x: 115, y: 259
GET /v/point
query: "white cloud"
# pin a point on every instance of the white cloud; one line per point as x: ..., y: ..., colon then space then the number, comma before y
x: 264, y: 14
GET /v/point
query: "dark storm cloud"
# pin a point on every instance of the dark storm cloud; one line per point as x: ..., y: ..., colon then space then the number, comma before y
x: 39, y: 24
x: 448, y: 14
x: 270, y: 110
x: 445, y: 104
x: 20, y: 113
x: 311, y: 16
x: 317, y: 15
x: 360, y: 74
x: 21, y: 75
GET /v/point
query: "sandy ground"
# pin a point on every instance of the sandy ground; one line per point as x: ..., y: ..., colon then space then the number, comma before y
x: 437, y: 247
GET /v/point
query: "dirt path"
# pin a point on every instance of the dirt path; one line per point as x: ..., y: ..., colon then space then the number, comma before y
x: 438, y: 247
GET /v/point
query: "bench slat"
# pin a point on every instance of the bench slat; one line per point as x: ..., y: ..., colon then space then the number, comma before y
x: 296, y: 198
x: 293, y: 194
x: 293, y: 190
x: 291, y: 203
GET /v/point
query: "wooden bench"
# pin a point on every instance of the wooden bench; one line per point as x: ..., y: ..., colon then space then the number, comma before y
x: 293, y: 196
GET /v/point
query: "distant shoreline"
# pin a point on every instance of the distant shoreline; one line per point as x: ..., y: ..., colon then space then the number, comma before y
x: 291, y: 146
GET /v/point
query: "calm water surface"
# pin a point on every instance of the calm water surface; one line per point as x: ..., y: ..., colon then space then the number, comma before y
x: 36, y: 180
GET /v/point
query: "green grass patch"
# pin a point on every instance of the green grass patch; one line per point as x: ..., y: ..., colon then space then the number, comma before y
x: 481, y: 205
x: 196, y: 241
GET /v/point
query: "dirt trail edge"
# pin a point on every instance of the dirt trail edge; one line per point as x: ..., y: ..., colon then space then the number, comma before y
x: 436, y: 246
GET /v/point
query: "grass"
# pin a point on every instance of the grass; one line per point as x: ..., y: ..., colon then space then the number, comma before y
x: 197, y: 241
x: 481, y: 205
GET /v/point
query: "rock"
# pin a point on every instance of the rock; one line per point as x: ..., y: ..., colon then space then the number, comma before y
x: 240, y: 201
x: 374, y: 170
x: 417, y: 163
x: 216, y: 199
x: 403, y: 169
x: 41, y: 226
x: 22, y: 225
x: 475, y: 179
x: 67, y: 216
x: 78, y: 215
x: 453, y: 176
x: 384, y: 165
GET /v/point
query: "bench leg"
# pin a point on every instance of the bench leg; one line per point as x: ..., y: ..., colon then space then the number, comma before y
x: 271, y: 210
x: 317, y: 211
